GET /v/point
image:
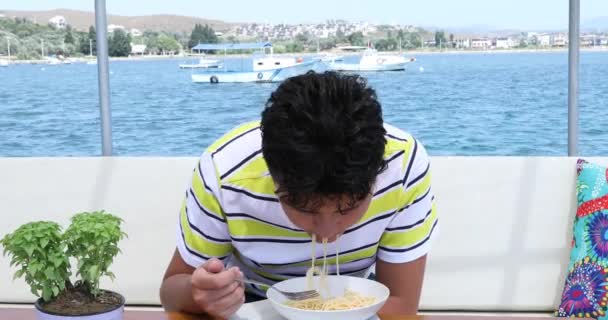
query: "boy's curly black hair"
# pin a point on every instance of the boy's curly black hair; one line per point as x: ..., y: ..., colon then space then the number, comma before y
x: 323, y: 137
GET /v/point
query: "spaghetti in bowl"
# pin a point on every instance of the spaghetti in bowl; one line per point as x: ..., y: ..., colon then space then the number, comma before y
x: 361, y: 300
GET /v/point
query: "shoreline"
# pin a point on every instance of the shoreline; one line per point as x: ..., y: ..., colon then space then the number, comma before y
x: 506, y: 51
x: 308, y: 54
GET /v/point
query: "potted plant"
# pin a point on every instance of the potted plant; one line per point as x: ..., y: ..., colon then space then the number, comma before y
x: 42, y: 253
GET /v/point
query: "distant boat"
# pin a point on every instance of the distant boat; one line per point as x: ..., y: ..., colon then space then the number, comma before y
x: 265, y: 67
x: 3, y: 63
x: 268, y: 75
x: 327, y: 56
x: 371, y: 60
x: 203, y: 63
x: 53, y: 61
x: 330, y: 57
x: 56, y: 60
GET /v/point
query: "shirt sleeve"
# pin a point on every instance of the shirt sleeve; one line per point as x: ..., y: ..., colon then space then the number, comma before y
x: 202, y: 231
x: 411, y: 231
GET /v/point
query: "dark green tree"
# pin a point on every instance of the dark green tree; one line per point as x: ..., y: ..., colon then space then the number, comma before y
x: 119, y: 44
x: 85, y: 44
x: 440, y: 39
x: 356, y: 39
x: 202, y: 34
x: 69, y: 37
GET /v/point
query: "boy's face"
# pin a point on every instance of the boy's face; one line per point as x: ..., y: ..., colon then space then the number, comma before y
x: 329, y: 219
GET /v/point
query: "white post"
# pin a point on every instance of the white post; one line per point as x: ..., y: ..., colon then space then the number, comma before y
x: 90, y: 47
x: 103, y: 77
x: 42, y: 48
x: 573, y: 64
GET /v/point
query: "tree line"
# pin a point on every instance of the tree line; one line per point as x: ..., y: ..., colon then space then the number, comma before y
x: 27, y: 40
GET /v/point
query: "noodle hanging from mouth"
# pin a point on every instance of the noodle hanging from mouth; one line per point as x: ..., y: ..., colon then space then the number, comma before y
x: 350, y: 299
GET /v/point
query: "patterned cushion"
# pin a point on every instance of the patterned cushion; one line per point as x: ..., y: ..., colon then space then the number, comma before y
x: 585, y: 293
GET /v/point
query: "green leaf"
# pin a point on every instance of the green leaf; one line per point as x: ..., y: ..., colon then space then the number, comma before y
x: 47, y: 293
x: 93, y: 272
x: 50, y: 273
x: 57, y: 261
x: 44, y: 242
x: 32, y: 268
x: 15, y: 261
x: 29, y: 250
x: 18, y: 274
x: 55, y: 291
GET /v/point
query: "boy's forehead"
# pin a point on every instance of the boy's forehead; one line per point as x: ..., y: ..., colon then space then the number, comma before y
x: 331, y: 202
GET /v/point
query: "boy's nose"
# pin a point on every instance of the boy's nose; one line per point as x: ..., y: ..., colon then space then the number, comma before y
x: 326, y: 225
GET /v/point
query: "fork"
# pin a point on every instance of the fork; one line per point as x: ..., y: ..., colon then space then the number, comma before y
x: 295, y: 296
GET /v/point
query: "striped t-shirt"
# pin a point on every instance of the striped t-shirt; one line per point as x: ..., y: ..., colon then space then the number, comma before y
x: 231, y: 212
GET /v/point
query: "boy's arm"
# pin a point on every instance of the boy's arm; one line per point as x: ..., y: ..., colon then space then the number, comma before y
x: 176, y: 289
x: 210, y: 289
x: 203, y: 243
x: 406, y: 241
x: 404, y: 281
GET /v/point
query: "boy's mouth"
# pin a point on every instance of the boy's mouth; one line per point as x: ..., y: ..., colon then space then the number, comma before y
x: 330, y: 239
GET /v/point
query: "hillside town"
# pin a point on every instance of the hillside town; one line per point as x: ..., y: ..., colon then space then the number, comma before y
x: 336, y: 28
x: 341, y: 28
x: 286, y: 38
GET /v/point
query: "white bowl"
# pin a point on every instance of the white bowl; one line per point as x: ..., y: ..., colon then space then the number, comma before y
x: 361, y: 285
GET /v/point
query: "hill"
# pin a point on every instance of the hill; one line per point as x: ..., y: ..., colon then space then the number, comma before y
x: 81, y: 20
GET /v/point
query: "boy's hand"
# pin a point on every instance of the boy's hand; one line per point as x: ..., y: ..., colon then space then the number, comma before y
x: 216, y: 290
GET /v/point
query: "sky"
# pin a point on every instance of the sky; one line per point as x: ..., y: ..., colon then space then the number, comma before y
x: 505, y: 14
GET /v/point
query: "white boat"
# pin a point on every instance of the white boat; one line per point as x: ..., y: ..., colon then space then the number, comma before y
x: 3, y: 63
x: 327, y: 56
x: 265, y: 67
x: 203, y: 63
x: 263, y: 74
x: 371, y: 60
x: 55, y: 61
x: 330, y: 57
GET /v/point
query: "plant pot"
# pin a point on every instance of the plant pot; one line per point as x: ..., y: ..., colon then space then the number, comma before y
x: 113, y: 314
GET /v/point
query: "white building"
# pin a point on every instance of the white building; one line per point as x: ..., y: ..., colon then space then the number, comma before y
x: 113, y: 27
x: 544, y: 39
x: 588, y: 40
x: 324, y: 34
x: 58, y: 22
x: 136, y: 32
x: 462, y: 43
x: 559, y: 40
x: 138, y: 49
x: 531, y: 35
x: 504, y: 43
x: 483, y: 43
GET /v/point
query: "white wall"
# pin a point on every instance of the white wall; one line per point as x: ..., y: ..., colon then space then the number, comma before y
x: 145, y: 192
x: 504, y: 241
